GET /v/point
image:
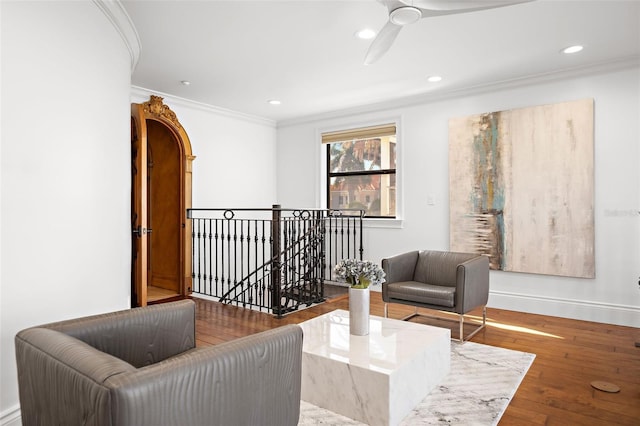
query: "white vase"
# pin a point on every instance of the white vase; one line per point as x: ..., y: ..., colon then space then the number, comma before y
x: 359, y: 311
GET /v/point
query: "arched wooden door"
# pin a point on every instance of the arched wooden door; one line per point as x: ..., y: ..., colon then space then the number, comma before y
x: 161, y: 171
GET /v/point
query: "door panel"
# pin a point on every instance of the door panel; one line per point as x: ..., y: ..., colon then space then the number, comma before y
x: 139, y: 225
x: 164, y: 215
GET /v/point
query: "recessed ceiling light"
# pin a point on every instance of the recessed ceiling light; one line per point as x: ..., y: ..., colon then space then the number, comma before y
x: 572, y: 49
x: 185, y: 82
x: 366, y: 34
x: 274, y: 102
x: 434, y: 78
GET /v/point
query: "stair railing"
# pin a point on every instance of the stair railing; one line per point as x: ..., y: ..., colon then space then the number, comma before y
x: 273, y: 260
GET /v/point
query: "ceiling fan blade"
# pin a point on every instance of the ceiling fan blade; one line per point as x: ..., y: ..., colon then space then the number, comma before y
x: 463, y: 5
x: 423, y: 9
x: 382, y: 42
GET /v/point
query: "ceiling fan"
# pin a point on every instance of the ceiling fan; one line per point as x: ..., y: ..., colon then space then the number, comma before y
x: 405, y: 12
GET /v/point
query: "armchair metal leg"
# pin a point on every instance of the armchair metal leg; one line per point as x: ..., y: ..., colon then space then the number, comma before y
x: 484, y: 323
x: 462, y: 339
x: 414, y: 314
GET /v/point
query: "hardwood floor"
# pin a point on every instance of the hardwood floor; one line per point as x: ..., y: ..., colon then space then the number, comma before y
x: 157, y: 294
x: 557, y: 389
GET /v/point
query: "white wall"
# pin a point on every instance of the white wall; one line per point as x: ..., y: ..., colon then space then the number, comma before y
x: 65, y: 171
x: 612, y: 297
x: 235, y: 153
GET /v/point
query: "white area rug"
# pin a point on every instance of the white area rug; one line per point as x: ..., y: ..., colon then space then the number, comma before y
x: 482, y: 381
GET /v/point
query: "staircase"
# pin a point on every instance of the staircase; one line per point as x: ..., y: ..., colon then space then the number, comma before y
x: 275, y: 260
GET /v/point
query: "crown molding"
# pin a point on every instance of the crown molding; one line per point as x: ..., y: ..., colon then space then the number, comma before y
x: 119, y: 18
x: 143, y: 92
x: 557, y: 75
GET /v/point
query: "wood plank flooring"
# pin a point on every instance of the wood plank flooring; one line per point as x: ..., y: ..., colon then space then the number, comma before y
x: 570, y: 355
x: 157, y: 294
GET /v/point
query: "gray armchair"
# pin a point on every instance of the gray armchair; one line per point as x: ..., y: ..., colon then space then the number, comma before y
x: 141, y: 367
x: 444, y: 281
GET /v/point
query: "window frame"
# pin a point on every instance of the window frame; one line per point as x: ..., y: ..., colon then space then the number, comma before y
x: 326, y: 174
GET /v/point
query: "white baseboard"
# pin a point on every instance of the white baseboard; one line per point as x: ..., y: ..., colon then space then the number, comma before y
x: 11, y: 417
x: 607, y: 313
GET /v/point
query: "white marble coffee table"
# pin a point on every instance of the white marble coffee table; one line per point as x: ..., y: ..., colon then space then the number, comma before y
x: 376, y: 379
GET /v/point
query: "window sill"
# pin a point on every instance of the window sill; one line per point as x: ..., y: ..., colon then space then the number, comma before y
x: 382, y: 223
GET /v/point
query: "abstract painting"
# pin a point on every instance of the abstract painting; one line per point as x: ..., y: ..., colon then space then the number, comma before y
x: 522, y: 188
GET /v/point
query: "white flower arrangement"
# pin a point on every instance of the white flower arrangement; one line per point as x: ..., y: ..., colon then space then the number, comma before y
x: 359, y: 273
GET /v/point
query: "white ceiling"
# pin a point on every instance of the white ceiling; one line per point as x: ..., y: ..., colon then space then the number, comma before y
x: 240, y: 54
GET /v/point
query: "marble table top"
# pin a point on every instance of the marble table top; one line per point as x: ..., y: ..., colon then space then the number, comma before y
x: 390, y: 342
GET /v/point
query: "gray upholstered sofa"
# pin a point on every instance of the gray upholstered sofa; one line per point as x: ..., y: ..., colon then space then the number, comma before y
x: 140, y: 367
x: 444, y: 281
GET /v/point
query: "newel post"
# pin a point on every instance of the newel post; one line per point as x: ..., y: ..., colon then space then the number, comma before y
x: 275, y: 260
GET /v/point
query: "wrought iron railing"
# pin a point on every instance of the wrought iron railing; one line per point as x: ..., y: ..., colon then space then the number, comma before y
x: 274, y: 259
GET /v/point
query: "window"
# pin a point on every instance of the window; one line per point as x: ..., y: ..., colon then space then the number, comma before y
x: 361, y: 170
